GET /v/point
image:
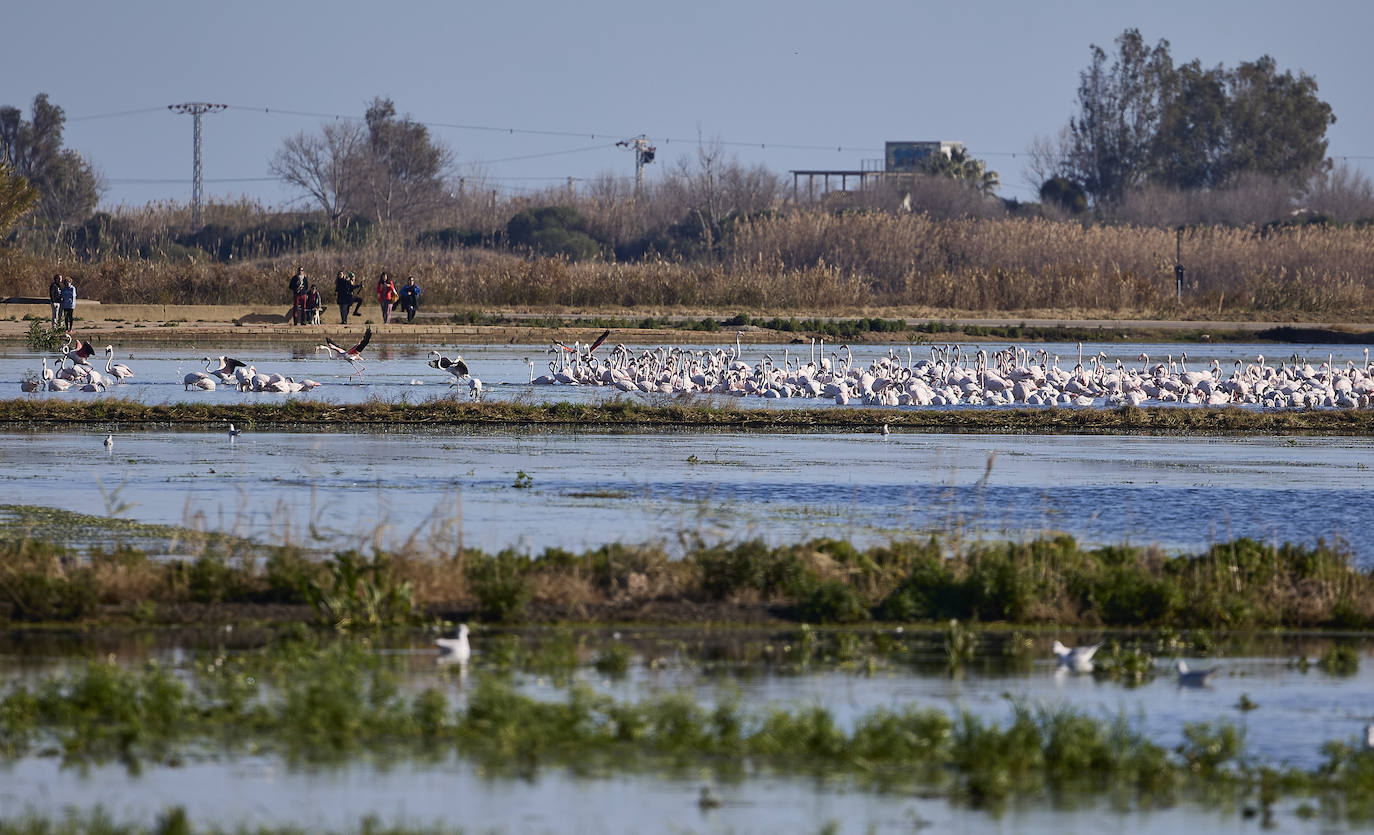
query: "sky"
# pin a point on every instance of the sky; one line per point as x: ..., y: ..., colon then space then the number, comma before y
x: 527, y: 94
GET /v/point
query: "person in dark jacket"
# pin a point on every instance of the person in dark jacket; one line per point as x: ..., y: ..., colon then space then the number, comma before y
x: 410, y: 298
x: 343, y: 291
x: 55, y: 296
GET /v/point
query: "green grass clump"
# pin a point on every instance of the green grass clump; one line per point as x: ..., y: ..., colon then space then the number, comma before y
x: 356, y: 592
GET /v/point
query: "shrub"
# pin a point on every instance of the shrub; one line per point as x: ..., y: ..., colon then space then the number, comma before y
x: 831, y: 601
x: 500, y: 585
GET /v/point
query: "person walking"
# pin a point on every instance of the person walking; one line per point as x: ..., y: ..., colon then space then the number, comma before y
x: 55, y: 297
x: 68, y: 302
x: 297, y: 285
x: 410, y: 298
x: 386, y: 296
x: 343, y: 291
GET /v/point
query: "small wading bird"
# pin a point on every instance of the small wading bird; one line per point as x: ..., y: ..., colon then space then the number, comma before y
x: 352, y: 356
x: 1193, y: 678
x: 1078, y: 659
x: 456, y: 649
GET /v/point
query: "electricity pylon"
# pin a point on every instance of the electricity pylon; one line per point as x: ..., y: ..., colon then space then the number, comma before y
x: 196, y: 109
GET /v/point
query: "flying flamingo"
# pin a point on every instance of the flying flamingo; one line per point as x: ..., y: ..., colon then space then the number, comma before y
x: 456, y: 366
x: 79, y: 352
x: 352, y: 356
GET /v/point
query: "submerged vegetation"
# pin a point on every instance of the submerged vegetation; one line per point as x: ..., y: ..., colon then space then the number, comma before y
x: 1051, y: 580
x: 701, y: 412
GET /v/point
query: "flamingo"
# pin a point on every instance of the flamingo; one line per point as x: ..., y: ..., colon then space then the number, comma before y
x: 352, y: 356
x: 234, y: 432
x: 455, y: 366
x: 109, y: 442
x: 119, y: 371
x: 475, y: 388
x: 227, y: 367
x: 79, y: 352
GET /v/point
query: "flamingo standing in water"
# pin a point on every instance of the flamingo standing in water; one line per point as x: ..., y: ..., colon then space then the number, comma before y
x: 118, y: 370
x: 352, y: 356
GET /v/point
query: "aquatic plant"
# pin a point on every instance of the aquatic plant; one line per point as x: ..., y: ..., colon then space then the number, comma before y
x: 1340, y: 660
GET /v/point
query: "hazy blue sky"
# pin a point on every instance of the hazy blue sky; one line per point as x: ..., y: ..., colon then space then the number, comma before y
x: 990, y: 73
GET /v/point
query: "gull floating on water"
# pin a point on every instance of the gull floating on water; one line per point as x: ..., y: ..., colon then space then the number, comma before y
x: 456, y: 649
x: 1078, y: 659
x: 1192, y: 678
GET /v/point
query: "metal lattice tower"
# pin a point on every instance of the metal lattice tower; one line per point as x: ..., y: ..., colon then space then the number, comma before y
x: 196, y: 109
x: 644, y: 154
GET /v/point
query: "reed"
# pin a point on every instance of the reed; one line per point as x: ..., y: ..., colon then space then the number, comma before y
x: 809, y: 261
x: 1241, y: 584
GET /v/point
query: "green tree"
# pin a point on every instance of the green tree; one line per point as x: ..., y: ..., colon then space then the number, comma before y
x: 1189, y: 149
x: 1218, y: 124
x: 66, y: 182
x: 1277, y: 125
x: 1141, y: 119
x: 1064, y: 193
x: 1118, y: 117
x: 402, y: 173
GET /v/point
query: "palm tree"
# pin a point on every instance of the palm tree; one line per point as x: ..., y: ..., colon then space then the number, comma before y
x: 960, y: 166
x: 16, y: 198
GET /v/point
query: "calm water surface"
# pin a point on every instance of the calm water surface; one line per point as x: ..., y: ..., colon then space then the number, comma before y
x: 589, y: 489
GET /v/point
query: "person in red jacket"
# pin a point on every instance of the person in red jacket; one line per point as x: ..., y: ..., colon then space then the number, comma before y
x: 386, y: 296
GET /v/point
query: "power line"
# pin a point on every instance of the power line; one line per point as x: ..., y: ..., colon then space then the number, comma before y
x: 116, y: 113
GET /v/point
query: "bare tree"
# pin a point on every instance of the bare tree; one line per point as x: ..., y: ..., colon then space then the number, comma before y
x: 1342, y: 192
x: 324, y: 165
x: 402, y: 176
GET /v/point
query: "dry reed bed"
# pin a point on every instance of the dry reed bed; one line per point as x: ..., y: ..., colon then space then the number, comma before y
x: 695, y: 414
x: 820, y: 262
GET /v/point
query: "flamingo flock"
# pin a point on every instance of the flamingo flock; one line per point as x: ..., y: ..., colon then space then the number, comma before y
x: 73, y: 371
x: 949, y: 375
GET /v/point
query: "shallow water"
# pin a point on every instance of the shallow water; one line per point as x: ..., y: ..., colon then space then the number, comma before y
x: 590, y: 489
x: 258, y: 793
x: 1297, y: 712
